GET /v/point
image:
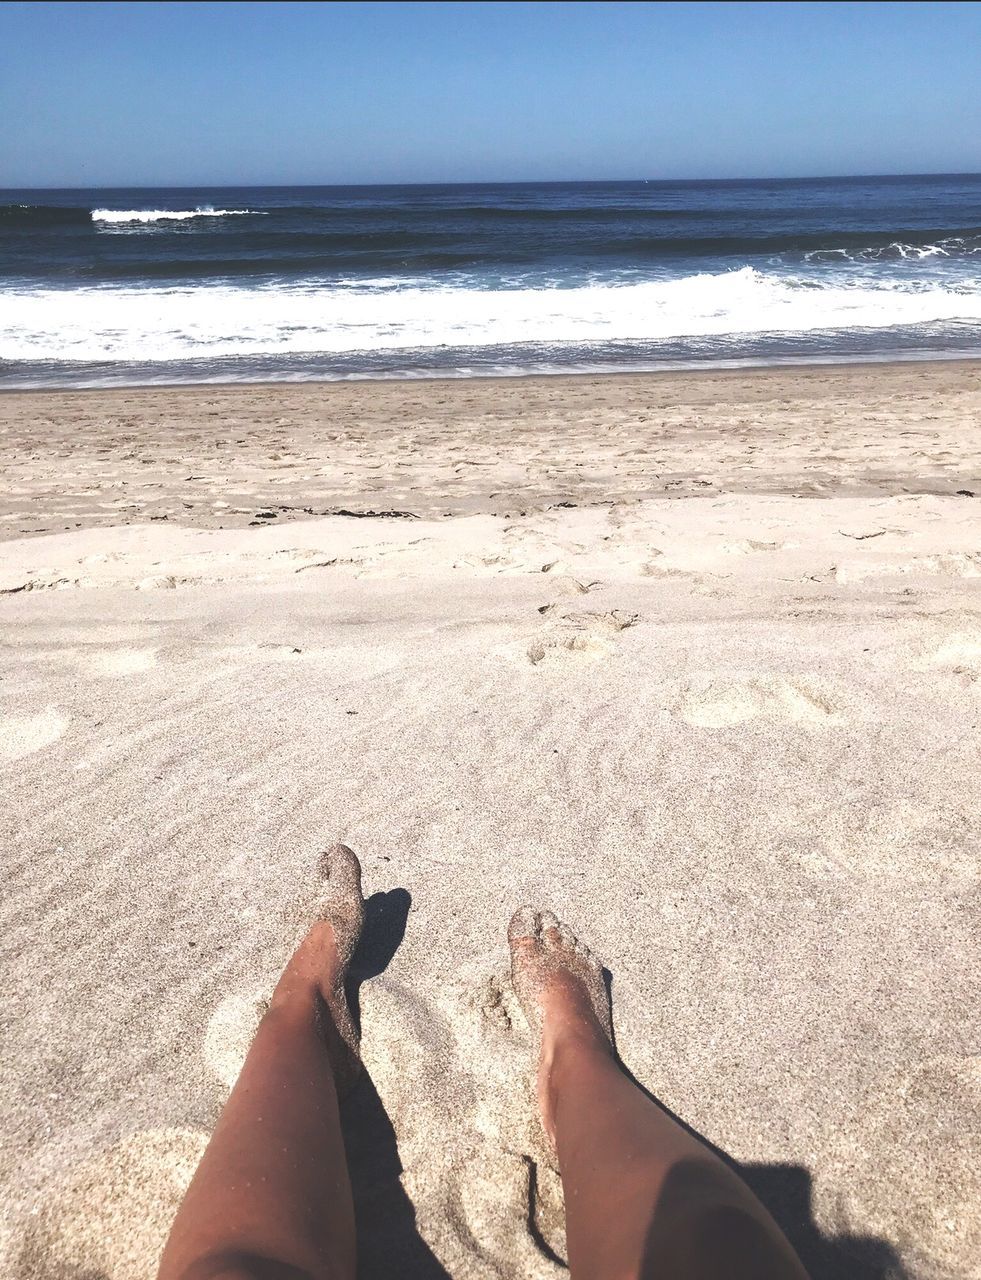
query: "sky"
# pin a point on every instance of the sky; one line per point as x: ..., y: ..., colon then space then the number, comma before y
x: 120, y: 94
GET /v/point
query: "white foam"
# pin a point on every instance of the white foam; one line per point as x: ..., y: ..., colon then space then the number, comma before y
x: 165, y: 215
x: 216, y: 320
x: 952, y: 246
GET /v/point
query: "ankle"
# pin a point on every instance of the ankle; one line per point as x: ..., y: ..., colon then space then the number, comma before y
x: 565, y: 1058
x: 297, y: 990
x: 566, y: 1046
x: 315, y: 962
x: 568, y: 1049
x: 570, y: 1022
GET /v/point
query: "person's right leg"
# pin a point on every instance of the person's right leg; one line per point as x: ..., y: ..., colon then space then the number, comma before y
x: 643, y: 1197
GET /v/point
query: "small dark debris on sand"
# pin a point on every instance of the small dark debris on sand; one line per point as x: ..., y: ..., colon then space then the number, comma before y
x: 373, y: 515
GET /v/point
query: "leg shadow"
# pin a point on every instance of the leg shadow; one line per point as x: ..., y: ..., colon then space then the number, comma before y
x: 786, y: 1191
x: 389, y: 1243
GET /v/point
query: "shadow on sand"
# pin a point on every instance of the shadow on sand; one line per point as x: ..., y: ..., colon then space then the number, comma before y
x: 389, y: 1243
x: 785, y: 1190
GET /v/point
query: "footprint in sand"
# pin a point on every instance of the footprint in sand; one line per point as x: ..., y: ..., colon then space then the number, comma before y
x: 906, y: 840
x: 953, y: 564
x: 959, y: 654
x: 512, y: 1178
x: 747, y: 546
x: 121, y: 662
x: 109, y: 1217
x: 583, y: 634
x: 22, y: 735
x: 565, y: 584
x: 656, y: 568
x: 718, y: 703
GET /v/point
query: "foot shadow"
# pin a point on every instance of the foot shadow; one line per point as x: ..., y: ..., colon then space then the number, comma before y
x: 385, y: 916
x: 389, y: 1243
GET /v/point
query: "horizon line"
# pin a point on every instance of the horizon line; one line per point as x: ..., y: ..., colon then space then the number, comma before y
x: 490, y: 182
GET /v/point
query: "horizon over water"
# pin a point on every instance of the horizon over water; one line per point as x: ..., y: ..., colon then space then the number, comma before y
x: 102, y: 287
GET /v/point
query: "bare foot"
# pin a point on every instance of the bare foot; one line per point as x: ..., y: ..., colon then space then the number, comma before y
x: 343, y: 901
x: 324, y: 956
x: 560, y: 985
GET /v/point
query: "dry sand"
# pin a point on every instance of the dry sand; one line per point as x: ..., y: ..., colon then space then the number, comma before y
x: 695, y: 660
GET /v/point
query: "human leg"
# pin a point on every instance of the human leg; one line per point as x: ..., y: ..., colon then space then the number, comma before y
x: 271, y: 1198
x: 644, y: 1198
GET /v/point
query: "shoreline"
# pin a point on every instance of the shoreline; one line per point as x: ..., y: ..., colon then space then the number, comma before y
x: 241, y: 455
x: 701, y: 368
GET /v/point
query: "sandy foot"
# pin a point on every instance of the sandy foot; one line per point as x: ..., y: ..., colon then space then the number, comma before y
x: 560, y: 985
x: 325, y: 955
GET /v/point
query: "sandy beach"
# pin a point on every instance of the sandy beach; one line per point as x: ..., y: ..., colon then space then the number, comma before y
x: 693, y: 659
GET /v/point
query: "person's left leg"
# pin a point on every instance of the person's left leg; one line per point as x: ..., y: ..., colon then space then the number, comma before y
x: 271, y: 1199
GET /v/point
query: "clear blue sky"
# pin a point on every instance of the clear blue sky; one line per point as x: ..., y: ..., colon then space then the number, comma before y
x: 157, y: 94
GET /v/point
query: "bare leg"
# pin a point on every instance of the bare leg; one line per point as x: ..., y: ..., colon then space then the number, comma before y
x: 643, y: 1197
x: 271, y: 1198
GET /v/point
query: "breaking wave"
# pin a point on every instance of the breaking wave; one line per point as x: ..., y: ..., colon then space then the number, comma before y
x: 167, y: 215
x: 190, y: 283
x: 212, y: 321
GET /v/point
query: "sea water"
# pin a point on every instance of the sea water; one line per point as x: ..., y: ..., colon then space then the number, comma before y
x: 259, y: 283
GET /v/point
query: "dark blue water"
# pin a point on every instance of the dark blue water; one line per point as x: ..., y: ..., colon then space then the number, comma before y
x: 236, y: 283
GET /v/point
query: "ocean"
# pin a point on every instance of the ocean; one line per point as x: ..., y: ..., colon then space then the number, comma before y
x: 104, y: 287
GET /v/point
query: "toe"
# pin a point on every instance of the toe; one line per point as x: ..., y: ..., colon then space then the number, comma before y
x: 523, y: 926
x: 340, y: 867
x: 567, y: 937
x: 549, y: 925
